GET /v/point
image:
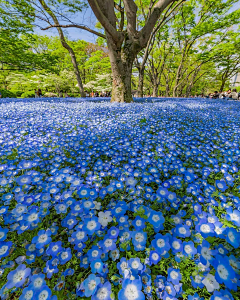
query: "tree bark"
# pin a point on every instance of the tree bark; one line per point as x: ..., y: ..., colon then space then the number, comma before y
x: 121, y: 65
x: 155, y: 90
x: 141, y: 71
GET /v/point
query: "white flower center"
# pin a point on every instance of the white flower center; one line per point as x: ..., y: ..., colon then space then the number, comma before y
x: 176, y: 245
x: 205, y: 228
x: 160, y: 243
x: 102, y: 293
x: 174, y: 275
x: 92, y: 285
x: 188, y: 249
x: 91, y: 225
x: 223, y: 272
x: 182, y: 230
x: 42, y: 238
x: 18, y: 276
x: 94, y: 253
x: 43, y: 295
x: 3, y: 250
x: 131, y: 292
x: 139, y: 237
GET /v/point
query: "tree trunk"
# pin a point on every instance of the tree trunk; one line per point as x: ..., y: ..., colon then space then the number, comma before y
x: 140, y: 81
x: 121, y: 65
x: 155, y: 90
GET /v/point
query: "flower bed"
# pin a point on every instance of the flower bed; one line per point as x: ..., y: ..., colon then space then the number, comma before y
x: 120, y: 201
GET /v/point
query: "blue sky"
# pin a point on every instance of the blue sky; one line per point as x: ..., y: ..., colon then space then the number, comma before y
x: 87, y: 18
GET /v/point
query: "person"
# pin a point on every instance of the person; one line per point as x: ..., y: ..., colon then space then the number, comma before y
x: 0, y: 95
x: 233, y: 95
x: 215, y: 95
x: 36, y: 94
x: 87, y: 94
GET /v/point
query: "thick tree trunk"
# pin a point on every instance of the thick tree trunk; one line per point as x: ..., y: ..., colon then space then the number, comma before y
x: 140, y: 81
x: 155, y: 90
x: 121, y: 64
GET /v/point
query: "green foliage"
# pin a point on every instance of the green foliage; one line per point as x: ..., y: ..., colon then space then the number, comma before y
x: 7, y: 94
x: 29, y: 94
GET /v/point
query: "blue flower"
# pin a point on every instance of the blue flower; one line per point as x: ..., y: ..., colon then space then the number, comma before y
x: 54, y: 248
x: 206, y: 254
x: 161, y: 243
x: 38, y: 281
x: 224, y: 272
x: 3, y: 233
x: 135, y: 265
x: 122, y: 265
x: 28, y: 293
x: 91, y: 226
x: 182, y: 231
x: 139, y: 223
x: 96, y: 266
x: 195, y: 297
x: 90, y: 285
x: 233, y: 237
x: 5, y: 248
x: 131, y: 289
x: 113, y: 232
x: 176, y: 245
x: 17, y: 277
x: 221, y: 185
x: 94, y: 253
x: 189, y: 249
x: 43, y: 238
x: 233, y: 215
x: 107, y: 244
x: 174, y: 276
x: 45, y: 293
x: 154, y: 257
x: 65, y: 255
x: 156, y: 219
x: 104, y: 292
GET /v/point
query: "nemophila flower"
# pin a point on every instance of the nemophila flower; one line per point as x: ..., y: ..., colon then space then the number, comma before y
x: 169, y: 290
x: 233, y: 237
x: 90, y: 285
x: 91, y: 226
x: 54, y: 248
x: 107, y: 244
x: 156, y: 219
x: 19, y: 210
x: 219, y: 230
x: 37, y: 281
x: 224, y: 272
x: 206, y: 229
x: 5, y: 248
x: 114, y: 254
x: 189, y: 248
x: 43, y: 238
x: 161, y: 243
x: 104, y: 292
x: 23, y: 179
x: 83, y: 192
x: 210, y: 283
x: 176, y: 245
x: 154, y: 257
x: 195, y: 297
x: 113, y: 232
x: 221, y: 185
x: 88, y: 205
x: 139, y: 237
x: 182, y: 231
x: 28, y: 293
x: 65, y: 255
x: 206, y: 254
x: 45, y: 293
x: 174, y: 276
x: 61, y: 208
x: 131, y: 289
x: 135, y: 265
x: 234, y: 263
x: 69, y: 222
x: 84, y: 262
x: 96, y: 266
x: 139, y: 223
x: 79, y: 236
x: 122, y: 265
x: 94, y: 253
x: 17, y: 277
x: 233, y: 215
x: 3, y: 233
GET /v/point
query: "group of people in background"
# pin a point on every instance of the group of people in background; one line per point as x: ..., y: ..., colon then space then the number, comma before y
x: 97, y: 94
x: 230, y: 94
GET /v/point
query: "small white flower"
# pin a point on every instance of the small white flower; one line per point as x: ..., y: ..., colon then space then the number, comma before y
x: 104, y: 218
x: 210, y: 283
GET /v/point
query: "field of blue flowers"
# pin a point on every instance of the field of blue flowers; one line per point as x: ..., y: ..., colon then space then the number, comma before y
x: 120, y: 201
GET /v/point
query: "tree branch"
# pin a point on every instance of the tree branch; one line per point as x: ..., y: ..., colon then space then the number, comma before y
x: 131, y: 12
x: 76, y: 26
x: 152, y: 20
x: 111, y: 30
